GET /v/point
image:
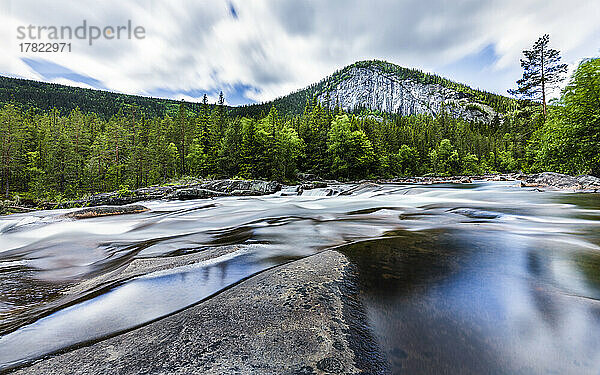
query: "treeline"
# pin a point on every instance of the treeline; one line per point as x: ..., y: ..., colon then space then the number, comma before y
x: 49, y: 155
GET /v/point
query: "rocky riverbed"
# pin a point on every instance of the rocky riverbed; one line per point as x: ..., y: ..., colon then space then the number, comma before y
x: 228, y: 188
x: 300, y: 318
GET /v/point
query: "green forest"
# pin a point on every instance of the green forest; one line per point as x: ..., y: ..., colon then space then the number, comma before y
x: 55, y: 154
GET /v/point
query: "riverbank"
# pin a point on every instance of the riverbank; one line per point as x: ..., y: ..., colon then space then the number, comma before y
x: 191, y: 190
x: 221, y: 188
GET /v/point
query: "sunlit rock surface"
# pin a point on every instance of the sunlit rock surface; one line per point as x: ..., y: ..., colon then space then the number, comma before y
x: 373, y: 89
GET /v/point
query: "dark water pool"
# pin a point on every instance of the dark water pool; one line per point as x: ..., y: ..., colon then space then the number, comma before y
x: 474, y: 301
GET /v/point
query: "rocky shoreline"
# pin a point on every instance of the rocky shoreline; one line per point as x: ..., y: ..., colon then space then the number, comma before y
x: 544, y: 180
x: 229, y: 188
x: 194, y: 190
x: 300, y: 318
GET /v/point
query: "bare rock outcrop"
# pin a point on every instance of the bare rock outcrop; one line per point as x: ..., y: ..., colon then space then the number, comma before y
x: 369, y: 87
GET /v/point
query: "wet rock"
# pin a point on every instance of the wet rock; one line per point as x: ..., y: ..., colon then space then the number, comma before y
x: 560, y: 181
x: 210, y: 189
x: 330, y: 365
x: 8, y: 207
x: 90, y: 212
x: 477, y: 214
x: 109, y: 199
x: 256, y: 327
x: 156, y: 192
x: 229, y: 186
x: 245, y: 193
x: 314, y: 185
x: 194, y: 193
x: 219, y: 188
x: 311, y: 185
x: 365, y: 186
x: 588, y: 182
x: 304, y: 370
x: 429, y: 180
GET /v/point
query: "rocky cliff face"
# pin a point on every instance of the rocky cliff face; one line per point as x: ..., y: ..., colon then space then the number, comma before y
x: 376, y: 90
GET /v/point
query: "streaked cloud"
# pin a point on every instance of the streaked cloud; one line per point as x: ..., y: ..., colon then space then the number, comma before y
x: 256, y: 50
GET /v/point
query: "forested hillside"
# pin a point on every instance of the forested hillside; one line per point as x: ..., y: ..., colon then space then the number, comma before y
x: 52, y: 154
x: 27, y: 94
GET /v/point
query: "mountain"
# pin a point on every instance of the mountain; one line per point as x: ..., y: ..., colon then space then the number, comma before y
x: 373, y: 85
x: 373, y: 88
x: 385, y: 87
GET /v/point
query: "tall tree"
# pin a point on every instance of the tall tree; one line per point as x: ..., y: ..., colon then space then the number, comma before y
x: 542, y: 71
x: 183, y: 137
x: 569, y: 141
x: 11, y: 137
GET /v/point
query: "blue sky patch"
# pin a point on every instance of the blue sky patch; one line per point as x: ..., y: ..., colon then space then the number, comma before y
x: 49, y: 70
x: 234, y: 94
x: 476, y: 68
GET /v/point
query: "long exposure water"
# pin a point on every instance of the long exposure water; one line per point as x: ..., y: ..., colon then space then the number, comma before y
x: 482, y: 278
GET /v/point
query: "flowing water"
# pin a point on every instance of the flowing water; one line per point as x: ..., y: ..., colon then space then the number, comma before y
x: 481, y: 278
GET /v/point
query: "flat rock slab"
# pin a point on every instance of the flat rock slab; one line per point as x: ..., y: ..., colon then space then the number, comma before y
x: 287, y: 320
x: 86, y: 213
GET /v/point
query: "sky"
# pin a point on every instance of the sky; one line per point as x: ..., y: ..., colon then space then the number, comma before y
x: 257, y: 50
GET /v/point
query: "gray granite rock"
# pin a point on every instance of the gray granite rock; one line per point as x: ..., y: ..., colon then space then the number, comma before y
x: 291, y: 319
x: 89, y: 212
x: 369, y: 87
x: 560, y: 181
x: 209, y: 189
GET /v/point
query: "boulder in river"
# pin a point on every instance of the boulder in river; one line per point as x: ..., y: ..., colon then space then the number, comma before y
x: 588, y: 182
x: 230, y: 186
x: 307, y: 176
x: 89, y: 212
x: 194, y: 193
x: 219, y: 188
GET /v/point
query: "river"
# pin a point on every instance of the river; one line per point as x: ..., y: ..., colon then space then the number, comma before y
x: 483, y: 278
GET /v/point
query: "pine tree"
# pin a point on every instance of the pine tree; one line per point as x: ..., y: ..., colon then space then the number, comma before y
x: 183, y: 137
x: 204, y: 124
x: 542, y: 71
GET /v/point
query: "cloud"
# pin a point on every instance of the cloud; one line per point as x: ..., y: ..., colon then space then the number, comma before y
x: 260, y: 49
